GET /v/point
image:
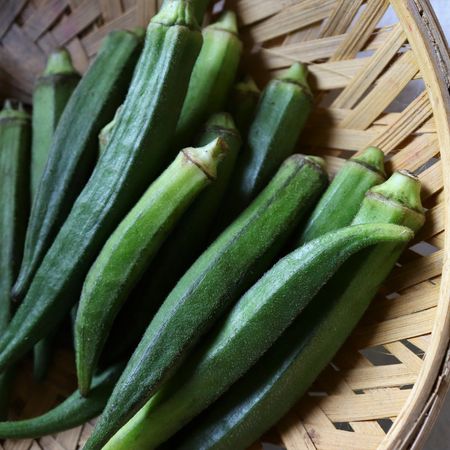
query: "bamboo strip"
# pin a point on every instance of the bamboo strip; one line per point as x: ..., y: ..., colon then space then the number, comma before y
x: 380, y: 376
x: 306, y: 34
x: 369, y: 406
x: 69, y: 438
x: 338, y: 440
x: 145, y: 10
x: 405, y: 356
x: 49, y: 443
x: 341, y: 17
x: 23, y: 444
x: 335, y: 115
x: 415, y: 154
x: 79, y: 57
x: 360, y: 33
x: 333, y: 164
x: 250, y: 11
x: 42, y: 19
x: 10, y: 10
x: 312, y: 50
x: 431, y: 179
x: 293, y: 433
x: 292, y: 18
x: 404, y: 327
x: 417, y: 271
x: 340, y: 138
x: 80, y: 18
x: 370, y: 72
x: 385, y: 91
x: 111, y: 9
x: 419, y: 298
x: 92, y: 41
x: 367, y: 428
x: 434, y: 223
x: 47, y: 42
x: 416, y: 113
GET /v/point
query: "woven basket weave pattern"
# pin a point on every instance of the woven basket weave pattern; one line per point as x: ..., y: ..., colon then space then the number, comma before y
x: 358, y: 70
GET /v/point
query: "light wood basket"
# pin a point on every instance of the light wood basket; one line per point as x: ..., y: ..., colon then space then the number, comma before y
x: 359, y: 71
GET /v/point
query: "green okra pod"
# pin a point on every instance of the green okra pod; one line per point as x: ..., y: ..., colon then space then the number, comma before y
x: 282, y: 112
x: 342, y: 200
x: 73, y: 151
x: 217, y: 278
x: 134, y: 156
x: 132, y: 246
x: 15, y: 136
x: 212, y: 77
x: 267, y: 392
x: 72, y: 412
x: 252, y: 326
x: 50, y: 96
x: 243, y: 102
x: 186, y: 242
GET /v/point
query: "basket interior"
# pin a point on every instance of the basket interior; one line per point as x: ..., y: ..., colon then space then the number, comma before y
x: 369, y: 91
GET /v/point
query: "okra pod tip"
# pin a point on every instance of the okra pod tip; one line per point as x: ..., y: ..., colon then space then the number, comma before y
x: 207, y: 158
x: 226, y: 22
x: 403, y: 187
x: 373, y: 159
x: 177, y: 12
x: 298, y: 74
x: 59, y: 62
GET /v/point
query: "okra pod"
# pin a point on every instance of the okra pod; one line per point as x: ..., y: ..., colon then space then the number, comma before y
x: 134, y: 156
x: 218, y: 277
x: 282, y: 376
x: 243, y: 102
x: 51, y: 94
x: 131, y: 248
x: 15, y: 136
x: 343, y: 198
x: 252, y: 326
x: 73, y: 151
x: 72, y: 412
x: 282, y: 112
x: 212, y: 77
x: 186, y: 242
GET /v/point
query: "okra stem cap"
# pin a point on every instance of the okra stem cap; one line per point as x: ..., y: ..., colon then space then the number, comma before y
x: 176, y: 12
x: 207, y: 158
x: 403, y: 187
x: 297, y: 73
x: 226, y: 22
x: 373, y: 158
x: 59, y: 62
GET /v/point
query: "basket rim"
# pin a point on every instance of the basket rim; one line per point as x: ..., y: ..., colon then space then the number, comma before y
x: 414, y: 423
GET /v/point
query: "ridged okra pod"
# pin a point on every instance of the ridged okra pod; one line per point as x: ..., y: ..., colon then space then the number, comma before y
x: 282, y: 376
x: 15, y: 136
x: 243, y: 102
x: 252, y: 326
x: 212, y: 78
x: 73, y: 151
x: 50, y: 96
x: 74, y: 411
x: 132, y: 246
x: 186, y: 242
x: 134, y: 156
x: 343, y: 198
x: 217, y: 279
x: 285, y: 105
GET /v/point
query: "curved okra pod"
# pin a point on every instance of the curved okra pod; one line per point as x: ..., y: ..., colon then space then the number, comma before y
x: 252, y: 326
x: 132, y: 246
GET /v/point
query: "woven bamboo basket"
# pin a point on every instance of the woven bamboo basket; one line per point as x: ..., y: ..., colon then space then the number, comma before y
x: 359, y: 70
